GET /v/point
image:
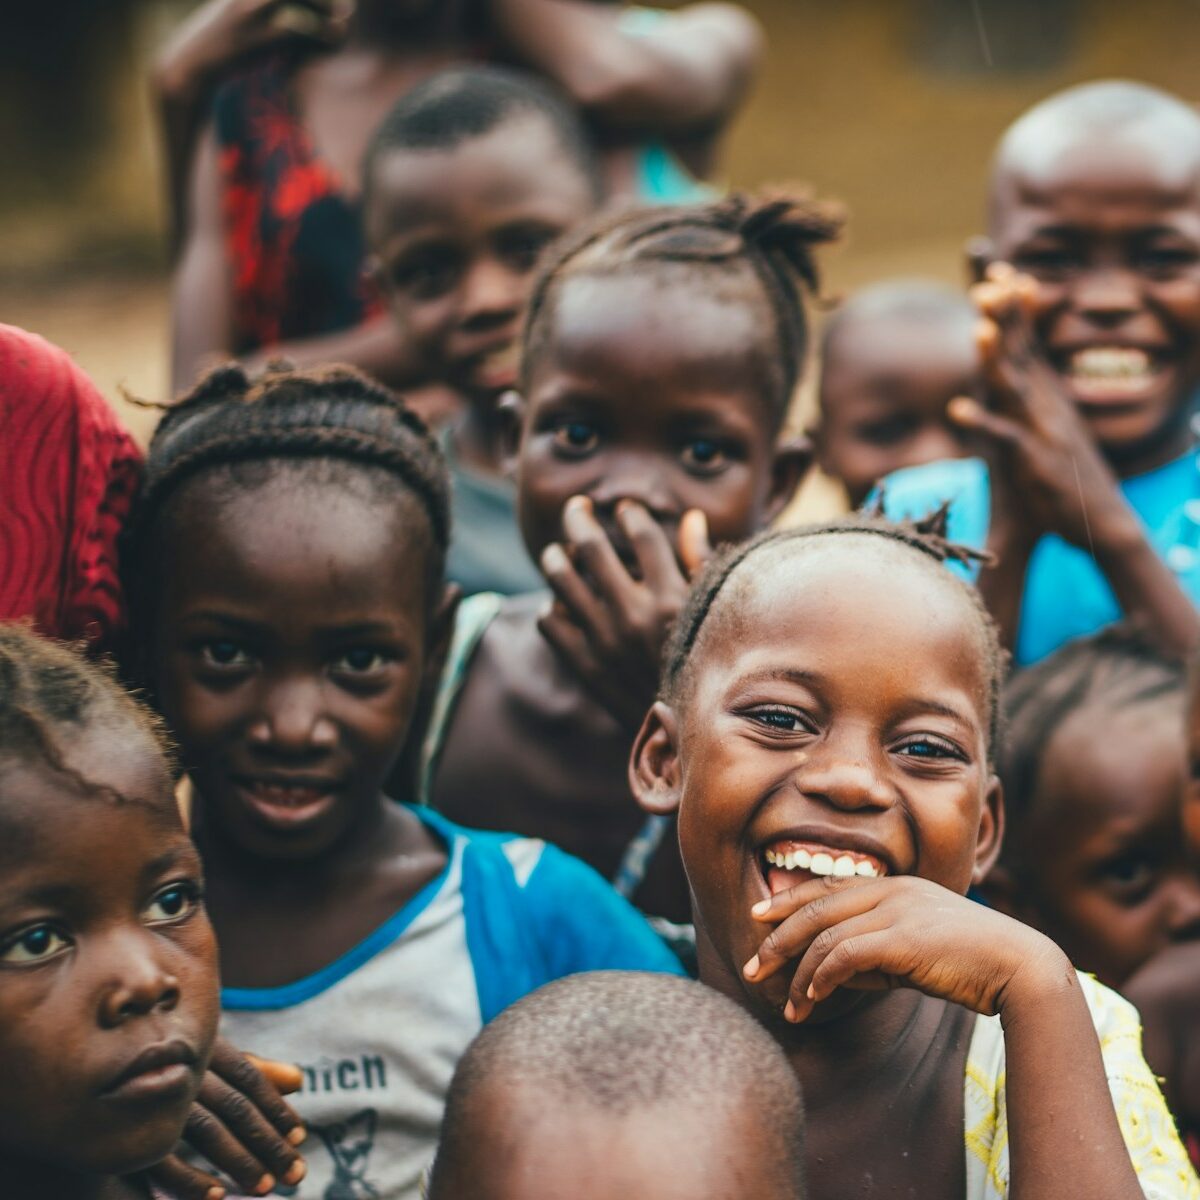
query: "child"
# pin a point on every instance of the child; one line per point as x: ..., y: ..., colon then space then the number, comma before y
x: 826, y: 734
x: 468, y: 179
x: 288, y: 551
x: 660, y: 353
x: 1093, y: 772
x: 1091, y: 370
x: 618, y: 1085
x: 1167, y: 990
x: 108, y: 967
x: 892, y: 357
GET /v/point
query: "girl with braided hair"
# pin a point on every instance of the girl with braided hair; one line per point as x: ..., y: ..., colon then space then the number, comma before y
x: 285, y: 564
x: 826, y: 732
x: 661, y: 349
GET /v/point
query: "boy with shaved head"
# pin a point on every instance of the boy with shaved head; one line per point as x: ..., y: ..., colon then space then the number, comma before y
x: 621, y: 1085
x: 1090, y: 289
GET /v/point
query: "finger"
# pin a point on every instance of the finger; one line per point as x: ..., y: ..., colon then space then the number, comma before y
x: 238, y: 1114
x: 576, y: 598
x: 211, y: 1139
x: 694, y: 547
x: 782, y: 904
x: 285, y: 1077
x: 231, y: 1065
x: 179, y: 1179
x: 969, y: 414
x: 594, y: 552
x: 802, y: 994
x: 651, y: 547
x: 858, y: 961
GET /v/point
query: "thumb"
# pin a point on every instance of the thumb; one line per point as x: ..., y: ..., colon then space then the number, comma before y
x: 968, y: 413
x: 694, y: 547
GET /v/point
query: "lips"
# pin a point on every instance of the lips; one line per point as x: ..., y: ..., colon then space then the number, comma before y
x: 287, y: 802
x: 496, y: 369
x: 160, y: 1071
x: 788, y: 861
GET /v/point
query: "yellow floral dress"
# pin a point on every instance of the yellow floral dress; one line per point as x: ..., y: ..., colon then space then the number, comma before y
x: 1158, y: 1156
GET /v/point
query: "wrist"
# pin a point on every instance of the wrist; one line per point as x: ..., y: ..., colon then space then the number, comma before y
x: 1043, y: 975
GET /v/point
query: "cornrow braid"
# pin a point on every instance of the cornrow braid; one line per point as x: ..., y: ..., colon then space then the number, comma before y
x: 1119, y: 667
x: 332, y: 413
x: 771, y: 235
x: 49, y: 692
x: 925, y: 537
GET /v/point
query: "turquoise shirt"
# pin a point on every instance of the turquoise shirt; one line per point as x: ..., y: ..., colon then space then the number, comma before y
x: 1066, y: 595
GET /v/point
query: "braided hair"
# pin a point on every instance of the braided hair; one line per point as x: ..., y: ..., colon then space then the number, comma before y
x: 1118, y: 668
x: 49, y: 693
x: 924, y: 538
x: 244, y: 429
x: 760, y: 243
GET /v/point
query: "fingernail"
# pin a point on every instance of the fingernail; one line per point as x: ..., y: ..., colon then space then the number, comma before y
x: 215, y: 1193
x: 296, y: 1171
x: 789, y: 1011
x: 264, y: 1185
x: 761, y: 907
x: 751, y: 968
x: 554, y: 558
x: 297, y: 1135
x: 811, y: 993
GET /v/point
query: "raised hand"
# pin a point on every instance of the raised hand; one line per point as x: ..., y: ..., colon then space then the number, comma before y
x: 877, y: 934
x: 609, y: 621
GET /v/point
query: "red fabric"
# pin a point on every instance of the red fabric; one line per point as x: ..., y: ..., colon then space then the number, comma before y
x: 68, y: 473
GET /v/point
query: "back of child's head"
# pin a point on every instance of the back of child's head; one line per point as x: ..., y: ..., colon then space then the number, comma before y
x: 622, y: 1084
x: 329, y: 426
x: 1093, y: 773
x: 892, y: 357
x: 748, y: 252
x: 461, y: 103
x: 108, y: 973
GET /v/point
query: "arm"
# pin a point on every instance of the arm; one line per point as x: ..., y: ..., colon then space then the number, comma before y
x: 1050, y: 477
x: 689, y: 74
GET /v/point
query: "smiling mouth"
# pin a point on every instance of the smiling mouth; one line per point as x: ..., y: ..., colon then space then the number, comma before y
x: 285, y: 805
x: 497, y: 368
x: 787, y: 864
x: 1112, y: 374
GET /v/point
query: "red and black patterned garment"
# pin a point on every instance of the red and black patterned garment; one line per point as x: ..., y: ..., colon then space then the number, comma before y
x: 294, y: 241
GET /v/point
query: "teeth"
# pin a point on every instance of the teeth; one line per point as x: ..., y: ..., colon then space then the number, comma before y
x: 822, y: 864
x: 844, y: 865
x: 803, y: 859
x: 1110, y: 362
x: 865, y: 868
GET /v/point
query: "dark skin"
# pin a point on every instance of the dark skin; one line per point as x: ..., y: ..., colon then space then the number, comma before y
x: 683, y: 83
x: 523, y: 1148
x: 1096, y: 862
x: 455, y: 237
x: 291, y: 642
x: 648, y: 406
x: 106, y: 954
x: 1106, y: 227
x: 814, y: 712
x: 885, y: 382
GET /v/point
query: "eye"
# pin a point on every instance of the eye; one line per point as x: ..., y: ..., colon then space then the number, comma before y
x: 426, y: 273
x: 363, y: 660
x: 37, y: 943
x: 173, y: 903
x: 1129, y: 875
x: 705, y: 455
x: 888, y: 432
x: 925, y: 746
x: 779, y: 720
x: 223, y: 654
x: 576, y: 437
x: 521, y: 247
x: 1165, y: 260
x: 1050, y: 262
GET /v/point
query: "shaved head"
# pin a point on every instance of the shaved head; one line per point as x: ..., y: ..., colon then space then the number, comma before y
x: 1151, y: 128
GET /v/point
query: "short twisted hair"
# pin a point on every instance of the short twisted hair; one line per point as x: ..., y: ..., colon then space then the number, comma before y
x: 925, y: 539
x: 766, y: 242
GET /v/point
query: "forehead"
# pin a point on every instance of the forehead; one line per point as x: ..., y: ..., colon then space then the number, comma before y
x: 1140, y: 174
x: 864, y: 618
x: 645, y: 325
x: 298, y: 544
x: 518, y: 170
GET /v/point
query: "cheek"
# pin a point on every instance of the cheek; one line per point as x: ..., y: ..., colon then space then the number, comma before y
x: 425, y: 322
x: 734, y: 501
x: 1180, y: 298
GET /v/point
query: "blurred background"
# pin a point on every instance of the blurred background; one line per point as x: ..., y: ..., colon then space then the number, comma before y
x: 891, y: 105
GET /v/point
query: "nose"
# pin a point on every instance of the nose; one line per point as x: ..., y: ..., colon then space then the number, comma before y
x: 137, y: 982
x: 1185, y: 911
x: 491, y: 296
x: 293, y: 719
x: 636, y: 477
x: 845, y: 773
x: 1108, y: 296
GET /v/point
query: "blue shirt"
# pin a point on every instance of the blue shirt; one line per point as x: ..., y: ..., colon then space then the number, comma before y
x: 1066, y: 596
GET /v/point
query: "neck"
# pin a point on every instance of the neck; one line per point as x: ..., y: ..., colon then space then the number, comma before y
x: 377, y: 24
x: 21, y: 1180
x: 1165, y: 446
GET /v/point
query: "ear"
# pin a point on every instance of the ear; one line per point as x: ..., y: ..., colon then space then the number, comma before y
x: 654, y: 761
x: 511, y: 407
x: 979, y: 254
x: 793, y: 457
x: 991, y: 831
